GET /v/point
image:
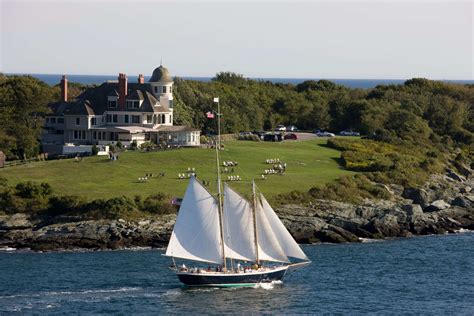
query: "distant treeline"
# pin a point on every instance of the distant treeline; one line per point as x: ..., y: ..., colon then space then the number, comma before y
x: 419, y: 111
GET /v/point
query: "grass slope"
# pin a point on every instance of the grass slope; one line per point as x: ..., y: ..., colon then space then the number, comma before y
x: 309, y: 164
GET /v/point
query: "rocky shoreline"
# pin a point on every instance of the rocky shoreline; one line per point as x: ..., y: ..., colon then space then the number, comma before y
x: 443, y: 205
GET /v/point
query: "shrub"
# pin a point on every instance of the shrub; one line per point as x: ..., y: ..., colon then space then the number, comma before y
x: 158, y: 204
x: 94, y: 150
x: 251, y: 137
x: 133, y: 145
x: 147, y: 146
x: 31, y: 190
x: 68, y: 204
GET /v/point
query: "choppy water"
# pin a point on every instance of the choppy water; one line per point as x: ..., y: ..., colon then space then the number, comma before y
x: 53, y: 79
x: 422, y: 275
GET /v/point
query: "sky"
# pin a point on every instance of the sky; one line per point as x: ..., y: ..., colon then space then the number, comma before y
x: 265, y: 39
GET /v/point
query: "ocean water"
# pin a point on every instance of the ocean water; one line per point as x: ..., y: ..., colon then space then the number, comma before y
x: 421, y: 275
x: 53, y: 79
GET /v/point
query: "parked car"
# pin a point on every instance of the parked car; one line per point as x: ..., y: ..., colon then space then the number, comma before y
x: 291, y: 136
x: 324, y: 134
x: 349, y: 133
x: 273, y: 137
x: 280, y: 128
x: 291, y: 128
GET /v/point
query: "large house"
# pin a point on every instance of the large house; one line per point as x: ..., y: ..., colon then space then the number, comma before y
x: 117, y: 111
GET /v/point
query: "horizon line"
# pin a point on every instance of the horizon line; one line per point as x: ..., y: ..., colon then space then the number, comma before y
x: 210, y: 77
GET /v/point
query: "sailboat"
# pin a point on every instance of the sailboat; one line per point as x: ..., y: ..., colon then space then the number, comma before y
x: 245, y: 240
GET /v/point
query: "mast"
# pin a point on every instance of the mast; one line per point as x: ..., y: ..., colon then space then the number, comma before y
x: 254, y: 208
x: 219, y: 188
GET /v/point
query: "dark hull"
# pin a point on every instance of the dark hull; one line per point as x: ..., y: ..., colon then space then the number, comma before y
x: 229, y: 280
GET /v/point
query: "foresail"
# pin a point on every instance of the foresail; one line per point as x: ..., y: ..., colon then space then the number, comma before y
x: 286, y: 241
x: 196, y: 233
x: 238, y: 226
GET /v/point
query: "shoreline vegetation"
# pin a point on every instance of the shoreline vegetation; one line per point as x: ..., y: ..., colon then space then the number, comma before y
x: 410, y: 175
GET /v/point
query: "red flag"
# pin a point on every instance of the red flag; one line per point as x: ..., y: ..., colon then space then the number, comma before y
x: 210, y: 115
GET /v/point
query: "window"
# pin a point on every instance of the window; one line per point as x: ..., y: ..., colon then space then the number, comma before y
x: 93, y: 121
x: 94, y: 135
x: 112, y: 104
x: 156, y: 89
x: 171, y: 118
x: 164, y: 89
x: 109, y: 118
x: 171, y: 89
x: 133, y: 104
x: 171, y: 104
x: 79, y: 134
x: 115, y: 118
x: 100, y: 135
x: 125, y: 119
x: 53, y: 120
x: 78, y: 121
x: 47, y: 120
x: 60, y: 120
x: 149, y: 119
x: 136, y: 119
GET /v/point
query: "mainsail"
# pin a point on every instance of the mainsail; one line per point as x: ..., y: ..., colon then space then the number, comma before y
x: 238, y: 226
x: 196, y: 234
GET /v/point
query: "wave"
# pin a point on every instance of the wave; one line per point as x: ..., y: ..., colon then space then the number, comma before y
x: 70, y: 293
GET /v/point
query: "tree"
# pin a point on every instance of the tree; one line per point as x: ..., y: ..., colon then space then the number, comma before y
x: 23, y: 102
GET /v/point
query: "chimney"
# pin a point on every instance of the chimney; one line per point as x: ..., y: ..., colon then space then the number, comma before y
x: 64, y: 89
x: 122, y: 82
x: 141, y: 79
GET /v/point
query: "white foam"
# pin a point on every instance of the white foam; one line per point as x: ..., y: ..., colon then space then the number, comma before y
x: 7, y: 249
x: 463, y: 230
x: 267, y: 286
x: 367, y: 240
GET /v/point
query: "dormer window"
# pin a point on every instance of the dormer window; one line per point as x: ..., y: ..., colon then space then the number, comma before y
x: 133, y: 104
x: 112, y: 104
x: 164, y: 89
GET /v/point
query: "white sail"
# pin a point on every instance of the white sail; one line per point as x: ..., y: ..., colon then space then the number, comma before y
x: 286, y: 241
x: 269, y: 248
x: 196, y: 234
x: 238, y: 226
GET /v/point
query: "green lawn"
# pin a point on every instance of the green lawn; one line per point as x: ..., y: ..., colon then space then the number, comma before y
x: 309, y: 164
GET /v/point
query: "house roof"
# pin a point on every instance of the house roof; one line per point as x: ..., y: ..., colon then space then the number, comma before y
x: 161, y: 74
x: 94, y: 100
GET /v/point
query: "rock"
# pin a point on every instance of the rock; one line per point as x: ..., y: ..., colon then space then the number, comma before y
x: 386, y: 226
x: 437, y: 206
x: 414, y: 212
x: 453, y: 175
x: 396, y: 189
x: 419, y: 196
x: 15, y: 221
x: 462, y: 202
x: 466, y: 189
x: 470, y: 198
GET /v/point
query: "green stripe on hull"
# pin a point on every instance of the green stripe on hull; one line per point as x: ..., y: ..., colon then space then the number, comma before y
x: 224, y: 285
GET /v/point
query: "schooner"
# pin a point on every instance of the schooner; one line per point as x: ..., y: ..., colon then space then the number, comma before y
x: 245, y: 239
